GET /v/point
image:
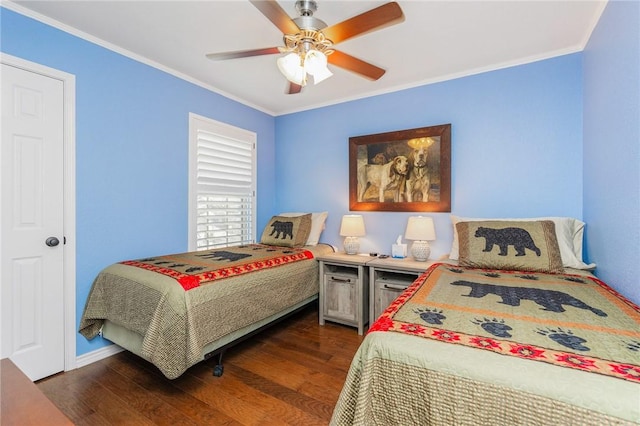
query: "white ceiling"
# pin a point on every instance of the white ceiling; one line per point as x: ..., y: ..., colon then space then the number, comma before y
x: 438, y: 40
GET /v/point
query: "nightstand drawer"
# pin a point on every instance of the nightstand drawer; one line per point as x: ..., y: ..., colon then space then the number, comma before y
x: 388, y: 289
x: 388, y: 278
x: 340, y: 297
x: 344, y: 290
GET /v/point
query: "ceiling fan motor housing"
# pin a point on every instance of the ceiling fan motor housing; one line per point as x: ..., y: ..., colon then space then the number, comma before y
x: 309, y: 36
x: 306, y: 20
x: 309, y: 23
x: 306, y: 7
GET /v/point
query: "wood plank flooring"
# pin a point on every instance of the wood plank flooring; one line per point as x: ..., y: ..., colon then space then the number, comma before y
x: 290, y: 374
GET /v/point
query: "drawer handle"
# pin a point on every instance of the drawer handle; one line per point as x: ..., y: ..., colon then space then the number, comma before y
x: 341, y: 280
x: 395, y: 287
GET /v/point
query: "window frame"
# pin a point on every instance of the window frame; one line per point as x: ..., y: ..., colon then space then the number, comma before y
x: 199, y: 123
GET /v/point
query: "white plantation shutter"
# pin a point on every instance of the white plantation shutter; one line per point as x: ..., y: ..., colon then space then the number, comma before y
x: 222, y: 184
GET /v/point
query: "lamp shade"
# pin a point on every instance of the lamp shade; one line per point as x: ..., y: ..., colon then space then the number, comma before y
x: 352, y: 226
x: 321, y: 75
x: 420, y: 228
x: 315, y: 63
x: 291, y: 68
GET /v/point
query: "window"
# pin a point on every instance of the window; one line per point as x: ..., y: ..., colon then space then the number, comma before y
x: 222, y: 196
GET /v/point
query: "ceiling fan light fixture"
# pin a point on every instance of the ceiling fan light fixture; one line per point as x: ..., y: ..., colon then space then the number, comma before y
x: 291, y: 68
x: 315, y: 63
x: 321, y: 75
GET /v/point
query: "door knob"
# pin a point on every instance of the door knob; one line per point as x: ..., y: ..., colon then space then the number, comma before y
x: 52, y: 241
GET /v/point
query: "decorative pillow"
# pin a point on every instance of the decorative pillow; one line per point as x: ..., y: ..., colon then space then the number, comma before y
x: 287, y: 231
x: 317, y: 225
x: 521, y: 245
x: 569, y: 233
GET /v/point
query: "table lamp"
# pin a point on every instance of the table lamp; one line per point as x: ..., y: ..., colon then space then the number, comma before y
x: 420, y: 229
x: 351, y: 228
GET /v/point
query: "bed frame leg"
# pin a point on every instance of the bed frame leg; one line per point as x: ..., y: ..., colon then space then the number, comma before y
x: 218, y: 369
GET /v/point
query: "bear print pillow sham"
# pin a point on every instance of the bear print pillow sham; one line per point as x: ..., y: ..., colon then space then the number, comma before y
x: 287, y: 231
x: 517, y: 245
x: 569, y: 233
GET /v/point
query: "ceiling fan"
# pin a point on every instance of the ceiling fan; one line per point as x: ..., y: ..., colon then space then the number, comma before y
x: 309, y: 42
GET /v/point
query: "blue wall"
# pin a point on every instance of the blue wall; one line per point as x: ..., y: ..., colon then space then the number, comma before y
x: 612, y: 146
x: 516, y: 148
x: 131, y: 149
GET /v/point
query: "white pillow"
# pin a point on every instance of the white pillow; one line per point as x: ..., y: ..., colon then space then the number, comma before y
x: 569, y: 232
x: 317, y: 225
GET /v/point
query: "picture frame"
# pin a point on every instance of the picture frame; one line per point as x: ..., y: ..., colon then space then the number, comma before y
x: 404, y: 170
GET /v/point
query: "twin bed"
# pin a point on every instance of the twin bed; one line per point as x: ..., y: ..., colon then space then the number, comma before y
x: 468, y: 346
x: 535, y: 342
x: 177, y: 310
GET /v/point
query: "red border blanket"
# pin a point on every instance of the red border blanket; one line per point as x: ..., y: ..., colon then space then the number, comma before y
x: 567, y: 320
x: 193, y: 269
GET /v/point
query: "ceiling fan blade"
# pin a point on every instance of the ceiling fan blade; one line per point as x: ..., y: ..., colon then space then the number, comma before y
x: 242, y: 53
x: 294, y: 89
x: 382, y: 16
x: 356, y: 65
x: 276, y: 14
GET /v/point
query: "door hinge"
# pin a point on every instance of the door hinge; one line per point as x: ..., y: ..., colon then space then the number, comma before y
x: 64, y: 240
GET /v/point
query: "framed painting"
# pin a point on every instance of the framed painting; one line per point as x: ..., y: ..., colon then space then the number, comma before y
x: 405, y: 170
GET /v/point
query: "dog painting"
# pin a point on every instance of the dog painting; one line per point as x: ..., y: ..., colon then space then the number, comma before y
x: 406, y: 170
x: 390, y: 176
x: 418, y: 182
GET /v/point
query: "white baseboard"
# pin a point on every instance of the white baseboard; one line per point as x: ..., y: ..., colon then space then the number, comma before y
x: 97, y: 355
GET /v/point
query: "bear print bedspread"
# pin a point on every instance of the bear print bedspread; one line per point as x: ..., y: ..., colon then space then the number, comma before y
x: 568, y: 320
x: 193, y: 269
x: 179, y: 304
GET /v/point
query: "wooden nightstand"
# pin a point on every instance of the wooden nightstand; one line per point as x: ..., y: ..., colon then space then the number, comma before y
x: 388, y: 278
x: 344, y: 289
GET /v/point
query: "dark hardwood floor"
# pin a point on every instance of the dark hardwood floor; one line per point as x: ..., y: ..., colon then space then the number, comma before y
x: 290, y: 374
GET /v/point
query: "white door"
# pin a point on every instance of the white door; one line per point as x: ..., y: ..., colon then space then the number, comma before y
x: 32, y: 210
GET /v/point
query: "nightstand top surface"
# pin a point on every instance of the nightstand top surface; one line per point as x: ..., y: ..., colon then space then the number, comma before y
x: 408, y: 263
x: 342, y: 257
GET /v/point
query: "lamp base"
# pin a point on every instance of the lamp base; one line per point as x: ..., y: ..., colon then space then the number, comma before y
x: 420, y: 250
x: 351, y: 245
